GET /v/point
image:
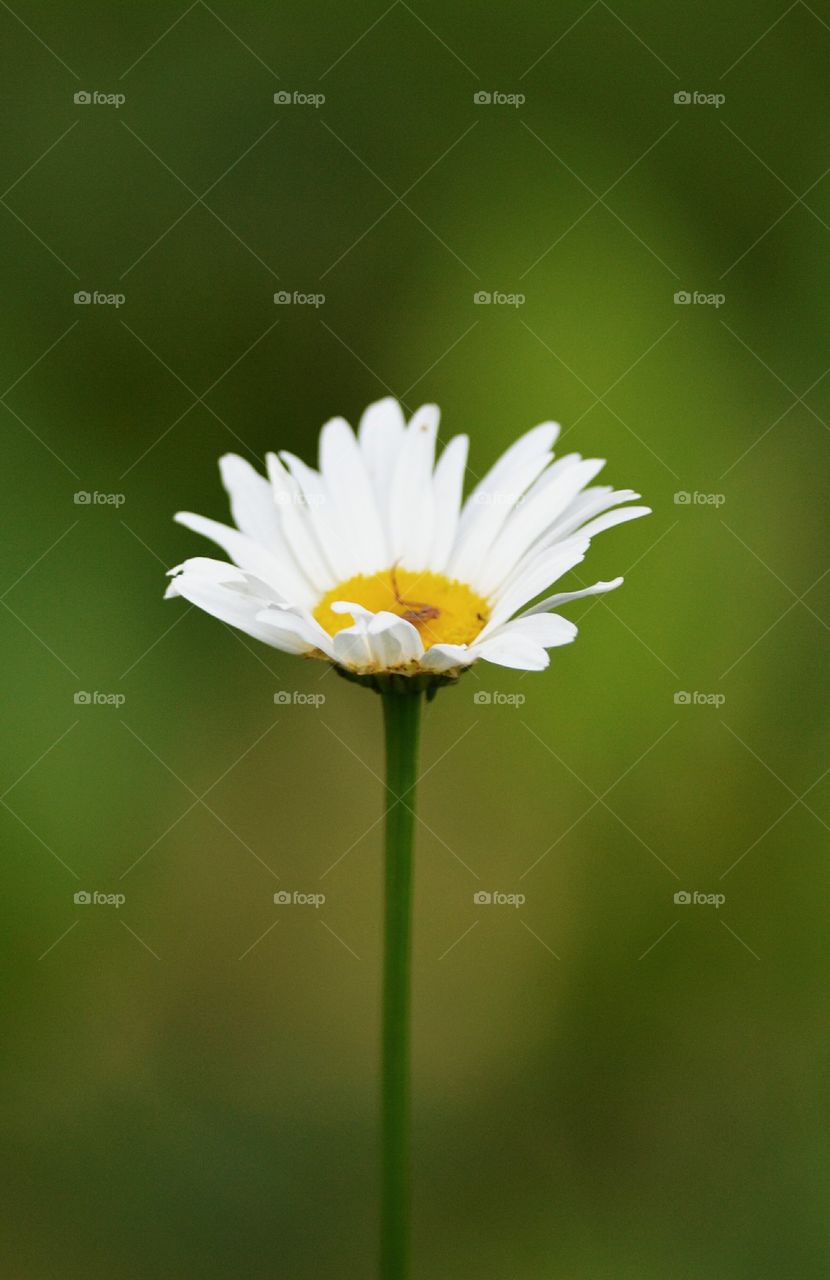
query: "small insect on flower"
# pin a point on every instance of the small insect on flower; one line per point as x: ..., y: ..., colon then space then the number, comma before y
x: 416, y: 612
x: 374, y: 563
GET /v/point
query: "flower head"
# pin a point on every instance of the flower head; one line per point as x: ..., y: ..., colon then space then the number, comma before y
x: 374, y: 562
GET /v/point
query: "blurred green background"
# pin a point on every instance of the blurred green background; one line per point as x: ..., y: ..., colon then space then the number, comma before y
x: 607, y: 1083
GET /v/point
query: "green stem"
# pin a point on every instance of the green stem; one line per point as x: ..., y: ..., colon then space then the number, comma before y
x: 401, y: 714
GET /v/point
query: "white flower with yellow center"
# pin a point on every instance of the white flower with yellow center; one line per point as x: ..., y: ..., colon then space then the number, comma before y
x: 375, y: 564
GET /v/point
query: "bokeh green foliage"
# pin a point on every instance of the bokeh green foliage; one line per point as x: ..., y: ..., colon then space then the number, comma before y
x: 647, y: 1101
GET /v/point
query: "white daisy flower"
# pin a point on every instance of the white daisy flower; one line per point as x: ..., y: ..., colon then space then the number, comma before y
x: 374, y: 562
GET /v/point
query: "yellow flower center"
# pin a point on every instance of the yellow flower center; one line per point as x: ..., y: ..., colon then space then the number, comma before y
x: 443, y: 610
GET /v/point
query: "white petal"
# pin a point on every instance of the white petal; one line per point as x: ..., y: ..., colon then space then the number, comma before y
x: 448, y: 485
x: 297, y: 528
x: 542, y: 506
x: 235, y: 604
x: 249, y: 555
x: 611, y: 518
x: 588, y: 504
x: 256, y: 514
x: 491, y: 508
x: 298, y: 627
x: 352, y: 648
x: 545, y: 629
x: 347, y: 483
x: 445, y: 657
x: 327, y: 526
x: 381, y: 434
x: 546, y: 569
x: 564, y: 532
x: 392, y: 640
x: 217, y: 571
x: 386, y: 650
x: 354, y: 610
x: 565, y: 597
x: 395, y: 642
x: 513, y: 651
x: 533, y: 444
x: 252, y: 502
x: 411, y: 502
